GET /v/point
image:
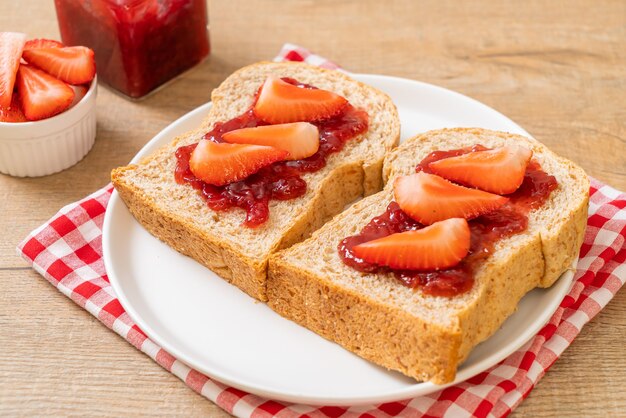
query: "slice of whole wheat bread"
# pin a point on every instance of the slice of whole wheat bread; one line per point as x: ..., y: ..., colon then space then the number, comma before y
x: 177, y: 215
x: 422, y: 336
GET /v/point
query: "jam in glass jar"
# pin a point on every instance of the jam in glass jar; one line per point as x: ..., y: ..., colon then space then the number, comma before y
x: 139, y: 44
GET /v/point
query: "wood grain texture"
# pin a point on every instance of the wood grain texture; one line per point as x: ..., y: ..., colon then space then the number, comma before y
x: 557, y: 68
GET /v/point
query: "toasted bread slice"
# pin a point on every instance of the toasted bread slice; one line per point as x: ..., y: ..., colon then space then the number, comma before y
x: 427, y: 337
x: 177, y: 215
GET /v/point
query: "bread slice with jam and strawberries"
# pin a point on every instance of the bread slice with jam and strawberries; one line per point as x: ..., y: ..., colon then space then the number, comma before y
x: 169, y: 195
x: 346, y: 282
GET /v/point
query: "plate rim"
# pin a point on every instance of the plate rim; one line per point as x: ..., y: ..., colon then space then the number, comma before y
x: 419, y: 388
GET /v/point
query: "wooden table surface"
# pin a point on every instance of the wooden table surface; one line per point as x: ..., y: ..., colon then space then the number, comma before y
x: 557, y: 68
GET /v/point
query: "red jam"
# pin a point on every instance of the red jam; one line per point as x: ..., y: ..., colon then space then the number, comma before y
x: 139, y: 44
x: 281, y: 180
x: 485, y: 231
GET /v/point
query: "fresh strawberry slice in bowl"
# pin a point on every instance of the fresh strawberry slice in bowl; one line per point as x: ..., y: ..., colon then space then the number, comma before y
x: 61, y: 140
x: 438, y: 246
x: 72, y: 64
x: 428, y: 198
x: 499, y: 170
x: 299, y: 139
x: 222, y: 163
x: 42, y: 43
x: 12, y: 113
x: 79, y: 93
x: 282, y: 102
x: 11, y: 48
x: 42, y: 95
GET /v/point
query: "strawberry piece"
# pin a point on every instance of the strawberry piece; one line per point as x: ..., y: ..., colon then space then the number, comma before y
x: 42, y: 43
x: 72, y: 64
x: 79, y: 93
x: 281, y: 102
x: 220, y: 164
x: 42, y: 95
x: 499, y: 170
x: 12, y: 113
x: 299, y: 139
x: 428, y: 198
x: 438, y: 246
x: 11, y: 47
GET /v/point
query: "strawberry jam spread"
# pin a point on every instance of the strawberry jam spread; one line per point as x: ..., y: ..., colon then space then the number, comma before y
x: 281, y: 180
x: 486, y: 230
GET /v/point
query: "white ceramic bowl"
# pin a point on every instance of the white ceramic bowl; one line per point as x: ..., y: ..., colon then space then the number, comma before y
x: 33, y: 149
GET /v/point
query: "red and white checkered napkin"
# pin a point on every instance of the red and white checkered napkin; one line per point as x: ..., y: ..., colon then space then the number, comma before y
x: 67, y: 251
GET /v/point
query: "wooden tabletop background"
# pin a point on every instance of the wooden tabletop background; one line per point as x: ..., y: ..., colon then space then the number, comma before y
x: 557, y: 68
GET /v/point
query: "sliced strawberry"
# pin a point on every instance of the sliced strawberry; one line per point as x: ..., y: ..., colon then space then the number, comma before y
x: 42, y: 43
x: 438, y: 246
x: 428, y: 198
x: 299, y: 139
x: 72, y: 64
x: 11, y: 47
x: 12, y: 113
x: 281, y: 102
x: 220, y: 164
x: 79, y: 93
x: 500, y: 170
x: 41, y: 94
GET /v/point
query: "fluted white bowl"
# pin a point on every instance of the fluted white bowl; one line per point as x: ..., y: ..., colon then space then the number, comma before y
x: 39, y: 148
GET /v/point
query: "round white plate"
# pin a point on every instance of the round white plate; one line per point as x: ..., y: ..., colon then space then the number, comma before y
x: 218, y: 330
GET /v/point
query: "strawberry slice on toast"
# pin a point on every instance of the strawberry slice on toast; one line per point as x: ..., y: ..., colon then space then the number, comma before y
x: 299, y: 139
x: 438, y: 246
x: 72, y: 64
x: 41, y: 94
x: 11, y: 47
x: 499, y: 170
x: 282, y: 102
x: 428, y: 198
x: 220, y: 163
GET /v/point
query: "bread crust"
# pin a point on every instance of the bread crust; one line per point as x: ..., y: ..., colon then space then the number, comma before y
x: 383, y: 334
x: 560, y: 248
x: 186, y: 238
x: 178, y: 216
x: 427, y: 337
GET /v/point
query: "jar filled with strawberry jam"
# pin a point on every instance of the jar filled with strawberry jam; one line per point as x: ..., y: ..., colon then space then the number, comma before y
x: 139, y: 44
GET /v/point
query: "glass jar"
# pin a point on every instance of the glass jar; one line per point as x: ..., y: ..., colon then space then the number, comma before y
x: 139, y: 44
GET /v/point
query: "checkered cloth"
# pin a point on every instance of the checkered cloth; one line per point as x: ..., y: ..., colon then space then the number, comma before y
x: 67, y: 250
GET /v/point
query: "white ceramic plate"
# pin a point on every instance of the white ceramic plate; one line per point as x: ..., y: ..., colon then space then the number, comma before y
x: 217, y: 329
